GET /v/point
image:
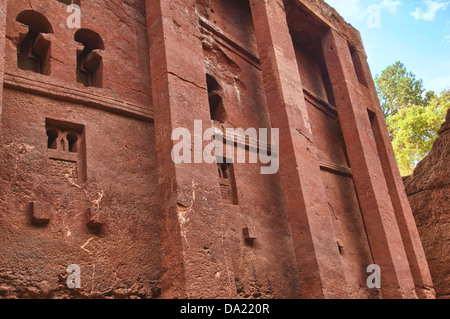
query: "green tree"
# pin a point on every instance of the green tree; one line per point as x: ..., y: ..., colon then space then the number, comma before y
x: 413, y: 115
x: 414, y: 130
x: 398, y: 88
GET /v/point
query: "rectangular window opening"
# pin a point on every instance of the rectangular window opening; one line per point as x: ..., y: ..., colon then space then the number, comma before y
x: 227, y: 183
x: 358, y: 65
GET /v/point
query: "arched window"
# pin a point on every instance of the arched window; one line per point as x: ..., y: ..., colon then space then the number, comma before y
x: 52, y: 135
x: 72, y: 140
x: 63, y: 140
x: 34, y: 47
x: 216, y: 108
x: 89, y: 58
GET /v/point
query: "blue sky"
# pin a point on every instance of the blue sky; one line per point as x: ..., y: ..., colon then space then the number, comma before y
x: 417, y: 33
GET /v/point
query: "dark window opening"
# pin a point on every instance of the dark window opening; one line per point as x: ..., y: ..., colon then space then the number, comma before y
x: 72, y: 140
x: 34, y: 47
x: 212, y: 84
x: 89, y: 58
x: 52, y: 139
x: 358, y: 66
x: 66, y: 149
x: 63, y: 137
x: 372, y: 116
x: 223, y: 171
x: 227, y: 183
x: 216, y: 108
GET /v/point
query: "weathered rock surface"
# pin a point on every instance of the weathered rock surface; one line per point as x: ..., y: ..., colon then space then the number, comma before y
x: 86, y: 171
x: 428, y: 191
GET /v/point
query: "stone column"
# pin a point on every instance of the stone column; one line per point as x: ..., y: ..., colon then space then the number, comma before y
x: 3, y: 4
x: 378, y: 212
x: 405, y: 218
x: 319, y: 263
x: 194, y: 259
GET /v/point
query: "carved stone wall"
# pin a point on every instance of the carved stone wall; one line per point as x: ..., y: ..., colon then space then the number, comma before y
x: 428, y: 191
x: 87, y: 177
x: 74, y: 149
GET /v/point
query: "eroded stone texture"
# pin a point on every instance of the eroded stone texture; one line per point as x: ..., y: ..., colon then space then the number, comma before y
x: 103, y: 159
x: 428, y: 191
x: 3, y: 4
x: 87, y: 117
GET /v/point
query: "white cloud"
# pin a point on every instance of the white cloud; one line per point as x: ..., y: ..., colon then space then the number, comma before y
x: 429, y: 12
x: 356, y: 9
x: 446, y: 39
x: 390, y: 5
x: 349, y: 9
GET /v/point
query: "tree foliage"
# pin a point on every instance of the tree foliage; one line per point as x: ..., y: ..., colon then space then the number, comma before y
x: 398, y: 88
x: 413, y: 115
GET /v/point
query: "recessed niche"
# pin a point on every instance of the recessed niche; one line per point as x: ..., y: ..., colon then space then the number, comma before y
x: 358, y: 65
x: 34, y: 47
x: 52, y: 139
x: 72, y: 142
x: 216, y: 107
x: 66, y: 149
x: 89, y: 58
x: 227, y: 183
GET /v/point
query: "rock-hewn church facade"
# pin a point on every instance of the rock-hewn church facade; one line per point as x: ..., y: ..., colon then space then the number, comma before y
x: 86, y: 174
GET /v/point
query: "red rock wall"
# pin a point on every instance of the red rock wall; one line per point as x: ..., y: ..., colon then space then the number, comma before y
x: 429, y: 194
x: 259, y: 269
x: 118, y: 175
x: 122, y: 27
x: 2, y: 50
x: 140, y: 225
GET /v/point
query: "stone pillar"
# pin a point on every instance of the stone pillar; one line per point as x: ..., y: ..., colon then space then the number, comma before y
x: 3, y: 4
x: 373, y: 192
x: 194, y: 259
x: 320, y: 267
x: 405, y: 218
